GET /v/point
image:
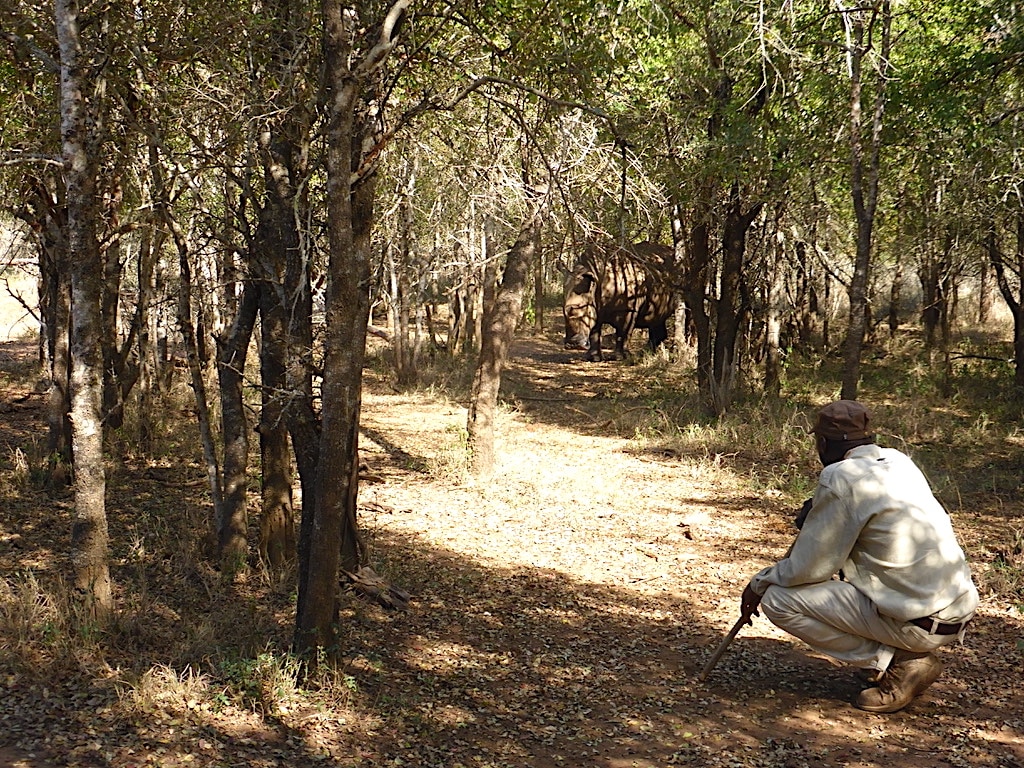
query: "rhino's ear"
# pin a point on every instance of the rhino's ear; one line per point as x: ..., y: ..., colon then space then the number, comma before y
x: 581, y: 283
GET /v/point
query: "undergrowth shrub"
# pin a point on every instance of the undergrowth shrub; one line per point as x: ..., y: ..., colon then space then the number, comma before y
x: 162, y: 688
x: 267, y: 683
x: 43, y: 627
x: 16, y: 473
x: 451, y: 461
x: 1004, y: 575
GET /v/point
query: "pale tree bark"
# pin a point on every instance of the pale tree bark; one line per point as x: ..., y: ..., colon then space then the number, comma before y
x: 500, y: 318
x: 775, y: 308
x: 330, y: 540
x: 80, y: 147
x: 860, y: 26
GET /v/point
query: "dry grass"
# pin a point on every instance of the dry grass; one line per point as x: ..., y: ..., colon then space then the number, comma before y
x: 18, y: 289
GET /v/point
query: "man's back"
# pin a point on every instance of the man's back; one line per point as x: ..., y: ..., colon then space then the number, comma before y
x: 906, y: 557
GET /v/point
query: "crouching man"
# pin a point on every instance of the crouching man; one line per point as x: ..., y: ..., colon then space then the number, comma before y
x: 906, y: 588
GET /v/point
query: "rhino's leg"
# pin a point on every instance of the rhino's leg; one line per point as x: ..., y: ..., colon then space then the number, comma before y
x: 657, y: 334
x: 622, y: 333
x: 621, y: 337
x: 594, y: 348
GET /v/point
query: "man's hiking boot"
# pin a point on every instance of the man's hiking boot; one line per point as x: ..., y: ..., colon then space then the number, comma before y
x: 908, y: 675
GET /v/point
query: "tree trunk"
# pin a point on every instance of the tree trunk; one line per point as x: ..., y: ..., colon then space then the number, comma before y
x: 500, y: 320
x: 408, y: 301
x: 113, y: 404
x: 471, y: 316
x: 538, y: 287
x: 857, y: 318
x: 696, y: 284
x: 89, y: 538
x: 277, y: 533
x: 60, y: 456
x: 281, y: 267
x: 826, y: 335
x: 46, y: 215
x: 233, y: 524
x: 403, y: 344
x: 1014, y: 301
x: 895, y: 294
x: 731, y: 310
x: 930, y: 277
x: 864, y: 173
x: 457, y: 306
x: 149, y: 249
x: 303, y: 422
x: 331, y: 537
x: 489, y: 287
x: 984, y: 294
x: 773, y: 326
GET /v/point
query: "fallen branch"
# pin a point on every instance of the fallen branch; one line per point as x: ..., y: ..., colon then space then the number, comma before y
x: 366, y: 583
x: 981, y: 357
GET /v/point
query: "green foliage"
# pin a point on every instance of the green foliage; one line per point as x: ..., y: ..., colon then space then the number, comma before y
x: 263, y: 684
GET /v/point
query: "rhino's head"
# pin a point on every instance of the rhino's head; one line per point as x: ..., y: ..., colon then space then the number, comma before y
x: 579, y: 307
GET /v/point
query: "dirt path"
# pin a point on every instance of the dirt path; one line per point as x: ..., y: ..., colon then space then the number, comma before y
x: 561, y: 614
x: 601, y: 576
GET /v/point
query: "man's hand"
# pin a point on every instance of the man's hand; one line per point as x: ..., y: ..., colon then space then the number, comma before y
x: 802, y: 514
x: 748, y: 604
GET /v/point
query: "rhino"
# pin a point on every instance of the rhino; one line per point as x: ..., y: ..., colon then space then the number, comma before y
x: 625, y: 288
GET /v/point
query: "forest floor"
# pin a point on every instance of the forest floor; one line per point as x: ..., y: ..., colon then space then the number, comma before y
x: 560, y: 614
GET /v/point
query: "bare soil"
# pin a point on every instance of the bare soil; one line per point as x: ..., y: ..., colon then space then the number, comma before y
x: 560, y: 614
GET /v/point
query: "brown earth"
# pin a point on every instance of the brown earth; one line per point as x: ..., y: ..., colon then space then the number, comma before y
x: 560, y: 614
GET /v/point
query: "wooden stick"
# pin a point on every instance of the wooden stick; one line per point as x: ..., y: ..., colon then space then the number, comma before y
x: 720, y: 650
x: 727, y: 640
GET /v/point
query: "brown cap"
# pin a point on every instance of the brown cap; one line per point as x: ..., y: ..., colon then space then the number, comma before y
x: 843, y: 420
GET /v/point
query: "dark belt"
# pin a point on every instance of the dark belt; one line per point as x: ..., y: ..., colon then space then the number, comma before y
x: 933, y: 627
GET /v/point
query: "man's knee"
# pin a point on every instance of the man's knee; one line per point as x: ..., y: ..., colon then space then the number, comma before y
x: 776, y: 605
